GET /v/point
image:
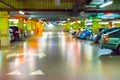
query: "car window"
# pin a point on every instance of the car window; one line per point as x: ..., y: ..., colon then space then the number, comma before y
x: 109, y: 30
x: 115, y: 34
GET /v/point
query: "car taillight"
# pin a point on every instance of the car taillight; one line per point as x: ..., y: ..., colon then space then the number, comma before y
x: 106, y: 38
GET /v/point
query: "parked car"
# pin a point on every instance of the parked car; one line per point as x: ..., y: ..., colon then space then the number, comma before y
x: 87, y: 34
x: 76, y: 33
x: 11, y: 34
x: 73, y: 32
x: 98, y: 37
x: 111, y: 41
x: 14, y: 33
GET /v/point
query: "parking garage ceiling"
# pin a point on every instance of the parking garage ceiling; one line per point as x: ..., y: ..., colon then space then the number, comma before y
x: 60, y: 8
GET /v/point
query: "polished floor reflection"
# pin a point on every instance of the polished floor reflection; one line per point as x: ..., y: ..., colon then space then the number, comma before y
x: 57, y: 56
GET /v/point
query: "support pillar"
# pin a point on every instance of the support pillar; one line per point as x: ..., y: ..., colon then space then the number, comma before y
x: 96, y: 25
x: 21, y: 27
x: 4, y: 29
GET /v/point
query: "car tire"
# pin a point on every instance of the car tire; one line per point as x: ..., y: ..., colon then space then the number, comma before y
x: 87, y: 37
x: 117, y: 51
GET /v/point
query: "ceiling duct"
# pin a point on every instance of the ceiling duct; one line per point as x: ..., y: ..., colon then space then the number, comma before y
x: 88, y: 2
x: 97, y: 2
x: 76, y: 7
x: 7, y: 4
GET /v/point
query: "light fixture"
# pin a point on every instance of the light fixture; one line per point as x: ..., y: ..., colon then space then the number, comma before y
x: 21, y: 12
x: 106, y: 4
x: 68, y: 19
x: 103, y: 22
x: 116, y: 22
x: 14, y: 20
x: 29, y: 18
x: 79, y: 21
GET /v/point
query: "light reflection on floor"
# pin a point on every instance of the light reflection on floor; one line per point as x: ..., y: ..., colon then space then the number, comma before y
x: 56, y: 56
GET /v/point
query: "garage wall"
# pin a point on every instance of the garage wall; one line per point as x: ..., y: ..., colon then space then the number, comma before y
x: 53, y: 28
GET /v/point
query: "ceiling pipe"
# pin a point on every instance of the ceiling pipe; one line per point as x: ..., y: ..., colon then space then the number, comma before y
x: 7, y: 4
x: 94, y: 4
x: 63, y: 10
x: 76, y: 7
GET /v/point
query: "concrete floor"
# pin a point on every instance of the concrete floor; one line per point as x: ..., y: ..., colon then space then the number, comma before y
x: 57, y: 56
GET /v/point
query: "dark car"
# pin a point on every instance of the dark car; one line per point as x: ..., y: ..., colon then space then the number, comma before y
x: 14, y: 33
x: 98, y: 37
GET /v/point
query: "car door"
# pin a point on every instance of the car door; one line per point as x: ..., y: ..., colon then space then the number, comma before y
x: 114, y: 38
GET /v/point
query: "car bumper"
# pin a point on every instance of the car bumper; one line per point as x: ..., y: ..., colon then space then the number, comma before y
x: 109, y: 46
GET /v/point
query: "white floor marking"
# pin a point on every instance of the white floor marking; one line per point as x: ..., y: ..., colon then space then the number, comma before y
x: 38, y: 72
x: 11, y: 55
x: 41, y: 55
x: 14, y: 73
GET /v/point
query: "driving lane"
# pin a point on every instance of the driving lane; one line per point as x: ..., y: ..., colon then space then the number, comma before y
x: 57, y: 56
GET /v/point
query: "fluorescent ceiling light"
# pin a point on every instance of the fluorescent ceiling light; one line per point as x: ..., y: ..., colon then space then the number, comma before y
x: 106, y: 4
x: 29, y: 18
x: 92, y: 6
x: 68, y: 19
x: 116, y: 21
x: 21, y: 12
x: 79, y: 21
x: 14, y: 20
x: 103, y: 23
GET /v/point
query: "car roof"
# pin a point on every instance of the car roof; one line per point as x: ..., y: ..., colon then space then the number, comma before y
x: 114, y: 31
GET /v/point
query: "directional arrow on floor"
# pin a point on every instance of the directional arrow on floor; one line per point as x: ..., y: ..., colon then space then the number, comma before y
x: 14, y: 73
x: 38, y: 72
x: 17, y: 72
x: 11, y: 55
x: 40, y: 55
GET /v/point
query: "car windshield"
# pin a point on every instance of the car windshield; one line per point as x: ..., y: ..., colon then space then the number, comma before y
x: 110, y: 29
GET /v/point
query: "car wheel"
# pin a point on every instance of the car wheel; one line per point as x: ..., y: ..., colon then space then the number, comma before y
x: 117, y: 51
x: 98, y: 41
x: 88, y: 37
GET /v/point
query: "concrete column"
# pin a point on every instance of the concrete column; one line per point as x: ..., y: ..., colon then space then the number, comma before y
x: 28, y: 27
x: 4, y: 29
x: 96, y: 25
x: 21, y: 27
